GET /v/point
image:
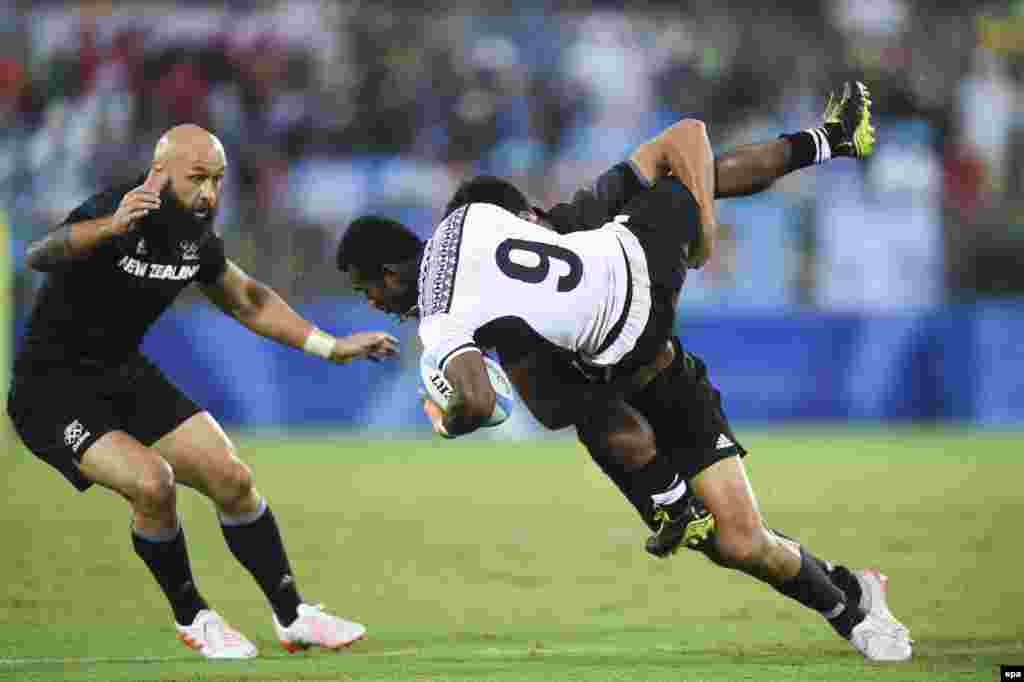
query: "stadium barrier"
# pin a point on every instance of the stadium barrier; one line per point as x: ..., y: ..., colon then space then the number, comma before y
x: 960, y: 363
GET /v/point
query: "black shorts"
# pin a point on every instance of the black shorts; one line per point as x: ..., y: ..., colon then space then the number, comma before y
x: 60, y: 412
x: 685, y: 411
x: 665, y: 220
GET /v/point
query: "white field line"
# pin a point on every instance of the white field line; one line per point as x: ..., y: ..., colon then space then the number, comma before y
x: 484, y: 652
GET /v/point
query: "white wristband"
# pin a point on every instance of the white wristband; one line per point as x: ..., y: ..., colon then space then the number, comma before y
x: 320, y: 344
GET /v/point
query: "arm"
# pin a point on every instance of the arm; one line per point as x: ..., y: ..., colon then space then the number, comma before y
x: 79, y: 238
x: 685, y: 151
x: 473, y: 397
x: 264, y: 312
x: 68, y: 243
x: 748, y: 169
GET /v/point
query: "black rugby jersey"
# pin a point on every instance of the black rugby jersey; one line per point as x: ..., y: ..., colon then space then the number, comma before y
x: 593, y: 206
x: 95, y: 311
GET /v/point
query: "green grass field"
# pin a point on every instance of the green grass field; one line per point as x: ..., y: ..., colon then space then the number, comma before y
x: 476, y: 560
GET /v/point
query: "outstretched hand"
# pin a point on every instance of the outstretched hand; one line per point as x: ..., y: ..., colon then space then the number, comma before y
x: 374, y: 346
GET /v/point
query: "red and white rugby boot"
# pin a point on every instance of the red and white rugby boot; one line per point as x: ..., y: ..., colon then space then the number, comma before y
x: 873, y: 587
x: 210, y: 635
x: 878, y: 640
x: 316, y: 627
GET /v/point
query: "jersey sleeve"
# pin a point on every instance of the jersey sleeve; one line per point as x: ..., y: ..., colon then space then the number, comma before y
x: 97, y: 206
x: 593, y: 206
x: 212, y: 260
x: 444, y: 336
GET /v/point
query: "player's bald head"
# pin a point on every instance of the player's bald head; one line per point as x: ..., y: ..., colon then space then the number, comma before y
x: 189, y: 144
x: 189, y: 164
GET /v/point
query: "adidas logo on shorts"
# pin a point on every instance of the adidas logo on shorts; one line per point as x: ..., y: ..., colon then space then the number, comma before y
x: 723, y: 442
x: 75, y: 434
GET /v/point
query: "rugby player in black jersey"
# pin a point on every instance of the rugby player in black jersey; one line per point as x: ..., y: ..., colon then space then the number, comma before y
x: 85, y: 400
x: 672, y: 432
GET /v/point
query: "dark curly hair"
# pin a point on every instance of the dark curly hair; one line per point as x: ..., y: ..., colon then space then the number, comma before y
x: 487, y: 189
x: 372, y: 241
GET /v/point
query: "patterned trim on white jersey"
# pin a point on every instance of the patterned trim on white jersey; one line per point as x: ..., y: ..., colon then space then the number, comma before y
x: 639, y: 312
x: 440, y: 263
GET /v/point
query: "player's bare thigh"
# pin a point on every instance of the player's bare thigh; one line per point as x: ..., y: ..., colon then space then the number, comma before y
x: 203, y: 457
x: 121, y: 463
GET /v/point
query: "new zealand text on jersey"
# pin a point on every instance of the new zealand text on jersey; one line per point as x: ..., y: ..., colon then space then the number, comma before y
x: 157, y: 270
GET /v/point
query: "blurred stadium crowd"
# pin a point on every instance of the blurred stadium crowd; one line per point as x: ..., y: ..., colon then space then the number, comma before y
x: 332, y: 109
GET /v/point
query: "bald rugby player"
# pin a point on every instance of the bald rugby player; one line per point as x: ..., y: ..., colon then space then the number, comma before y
x: 85, y: 400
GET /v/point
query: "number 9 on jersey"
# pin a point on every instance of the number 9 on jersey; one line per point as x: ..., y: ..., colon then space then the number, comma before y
x: 439, y: 390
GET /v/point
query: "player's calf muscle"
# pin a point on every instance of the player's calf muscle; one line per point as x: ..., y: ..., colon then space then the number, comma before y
x: 750, y: 168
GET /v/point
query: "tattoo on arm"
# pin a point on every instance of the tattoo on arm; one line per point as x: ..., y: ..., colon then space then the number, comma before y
x: 52, y: 251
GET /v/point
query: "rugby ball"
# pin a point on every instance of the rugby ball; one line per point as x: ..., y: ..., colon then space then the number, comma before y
x: 439, y: 390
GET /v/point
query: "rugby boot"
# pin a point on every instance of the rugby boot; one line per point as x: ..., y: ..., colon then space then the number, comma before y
x: 210, y: 635
x: 878, y: 641
x: 848, y: 120
x: 683, y: 522
x: 874, y: 586
x: 316, y: 627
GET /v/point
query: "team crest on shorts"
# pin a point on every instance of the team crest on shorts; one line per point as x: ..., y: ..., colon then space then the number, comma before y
x: 75, y: 434
x: 189, y: 250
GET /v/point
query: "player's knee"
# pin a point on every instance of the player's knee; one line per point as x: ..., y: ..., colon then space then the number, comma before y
x: 235, y: 482
x: 154, y: 490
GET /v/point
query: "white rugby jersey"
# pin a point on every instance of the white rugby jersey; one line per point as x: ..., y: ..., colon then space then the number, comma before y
x: 587, y: 292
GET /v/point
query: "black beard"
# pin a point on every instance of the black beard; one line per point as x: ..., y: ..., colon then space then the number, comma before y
x: 174, y: 222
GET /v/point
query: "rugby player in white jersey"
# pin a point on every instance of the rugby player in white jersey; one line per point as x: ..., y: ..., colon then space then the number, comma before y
x: 552, y: 291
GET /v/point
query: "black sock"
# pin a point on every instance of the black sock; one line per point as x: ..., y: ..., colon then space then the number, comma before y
x: 256, y: 542
x: 841, y: 576
x: 812, y: 587
x: 814, y: 145
x: 167, y: 559
x: 657, y: 479
x: 844, y: 579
